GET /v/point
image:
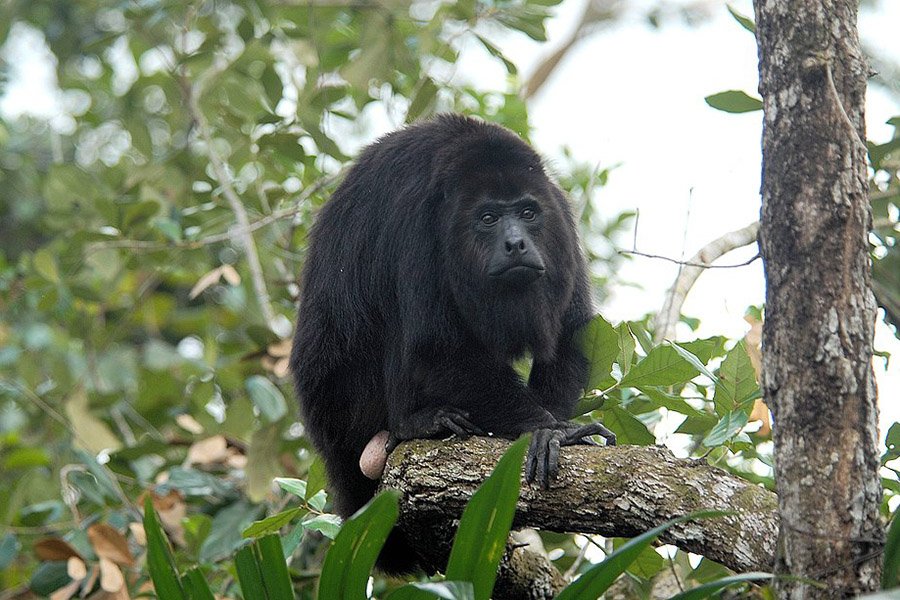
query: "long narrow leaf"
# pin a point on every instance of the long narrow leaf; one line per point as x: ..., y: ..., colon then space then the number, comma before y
x: 351, y: 557
x: 274, y: 568
x: 596, y: 580
x: 160, y: 562
x: 484, y: 527
x: 249, y: 574
x: 708, y: 589
x: 891, y: 556
x: 444, y: 590
x: 196, y: 585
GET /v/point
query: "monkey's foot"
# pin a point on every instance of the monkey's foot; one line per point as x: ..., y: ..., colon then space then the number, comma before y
x: 433, y: 422
x: 542, y: 464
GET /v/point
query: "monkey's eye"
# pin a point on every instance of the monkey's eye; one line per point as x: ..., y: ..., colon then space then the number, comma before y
x: 488, y: 218
x: 528, y: 214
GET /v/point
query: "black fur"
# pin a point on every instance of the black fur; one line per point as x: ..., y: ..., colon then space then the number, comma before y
x: 399, y: 321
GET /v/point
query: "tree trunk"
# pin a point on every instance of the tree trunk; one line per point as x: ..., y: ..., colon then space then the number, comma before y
x: 820, y: 311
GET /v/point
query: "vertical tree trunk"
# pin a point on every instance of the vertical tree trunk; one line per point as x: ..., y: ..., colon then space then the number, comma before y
x: 820, y: 311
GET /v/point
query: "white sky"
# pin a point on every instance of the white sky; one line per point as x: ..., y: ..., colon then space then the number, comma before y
x: 633, y: 95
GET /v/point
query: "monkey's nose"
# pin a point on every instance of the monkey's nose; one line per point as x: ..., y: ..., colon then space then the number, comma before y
x: 515, y: 246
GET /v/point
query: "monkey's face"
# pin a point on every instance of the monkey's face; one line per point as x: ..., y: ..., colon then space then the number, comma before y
x: 507, y: 232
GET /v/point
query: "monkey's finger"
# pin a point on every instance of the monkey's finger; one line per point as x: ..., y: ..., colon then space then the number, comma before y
x: 529, y: 461
x: 543, y: 436
x: 552, y: 458
x: 470, y: 427
x: 578, y: 435
x: 456, y: 429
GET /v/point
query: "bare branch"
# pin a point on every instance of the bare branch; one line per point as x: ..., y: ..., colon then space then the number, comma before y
x: 687, y: 276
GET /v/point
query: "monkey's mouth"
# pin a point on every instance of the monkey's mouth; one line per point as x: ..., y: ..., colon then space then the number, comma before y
x: 518, y: 274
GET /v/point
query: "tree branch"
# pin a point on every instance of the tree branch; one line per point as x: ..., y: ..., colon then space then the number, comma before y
x: 687, y: 276
x: 619, y: 491
x: 243, y: 231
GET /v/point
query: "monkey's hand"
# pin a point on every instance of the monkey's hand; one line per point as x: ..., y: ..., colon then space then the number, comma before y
x: 433, y: 422
x: 542, y: 464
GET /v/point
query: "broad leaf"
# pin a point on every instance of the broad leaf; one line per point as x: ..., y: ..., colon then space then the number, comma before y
x: 737, y: 381
x: 734, y: 101
x: 662, y: 366
x: 599, y: 344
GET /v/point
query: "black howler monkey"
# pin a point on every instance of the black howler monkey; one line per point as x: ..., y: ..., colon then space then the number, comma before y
x: 445, y: 254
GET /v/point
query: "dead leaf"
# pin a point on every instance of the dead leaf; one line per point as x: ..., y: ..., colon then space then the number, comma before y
x: 212, y: 450
x: 91, y: 433
x: 753, y: 345
x: 236, y: 459
x: 109, y: 543
x: 281, y: 348
x: 204, y: 282
x: 54, y: 549
x: 189, y: 424
x: 138, y: 533
x: 230, y: 275
x: 171, y: 510
x: 76, y: 568
x: 111, y: 578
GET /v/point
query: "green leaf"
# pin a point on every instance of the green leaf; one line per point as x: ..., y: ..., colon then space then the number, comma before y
x: 296, y: 487
x: 484, y: 526
x: 139, y: 213
x: 660, y: 397
x: 694, y: 360
x: 745, y: 22
x: 249, y: 574
x: 274, y: 523
x: 263, y: 461
x: 423, y: 100
x: 708, y: 590
x: 662, y: 366
x: 327, y: 525
x: 737, y: 381
x: 315, y: 477
x: 497, y: 53
x: 9, y: 549
x: 734, y: 101
x: 596, y: 580
x: 626, y: 343
x: 160, y: 562
x: 196, y: 586
x: 345, y: 573
x: 275, y: 574
x: 443, y: 590
x: 599, y: 344
x: 727, y: 427
x: 891, y: 571
x: 227, y: 526
x: 266, y: 397
x: 44, y: 263
x: 628, y: 429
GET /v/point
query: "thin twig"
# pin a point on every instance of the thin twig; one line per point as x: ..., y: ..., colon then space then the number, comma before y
x: 687, y: 276
x: 284, y: 213
x: 243, y: 233
x: 688, y: 263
